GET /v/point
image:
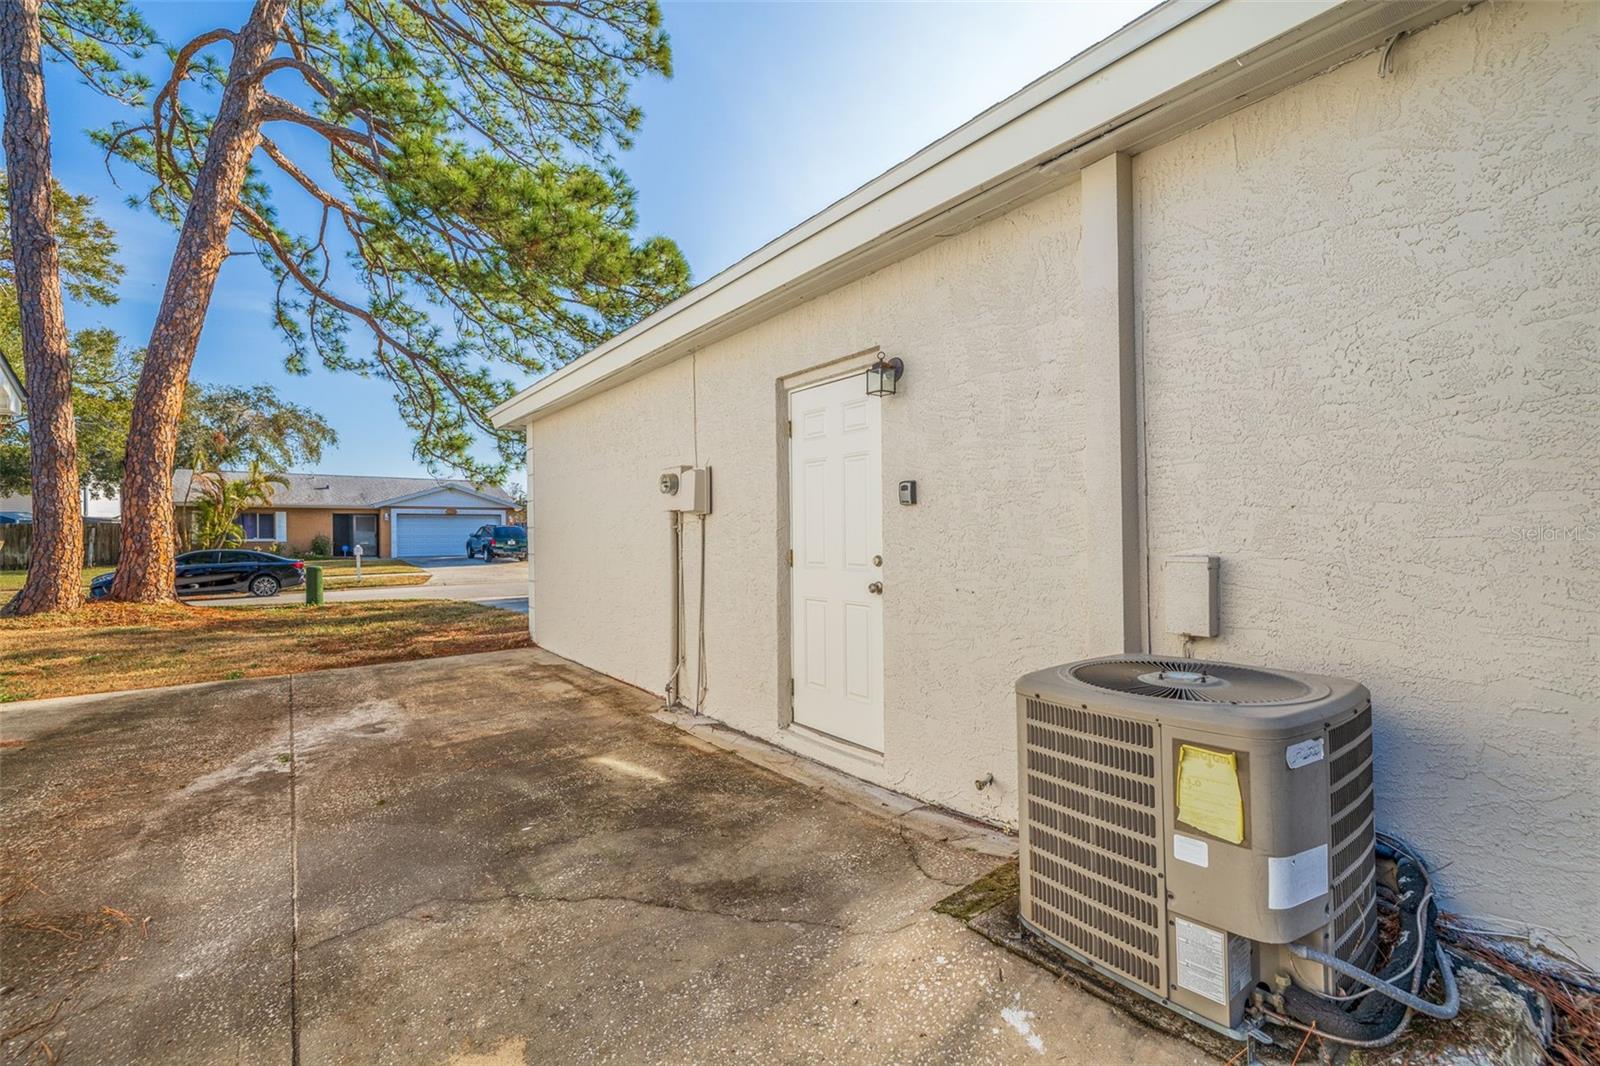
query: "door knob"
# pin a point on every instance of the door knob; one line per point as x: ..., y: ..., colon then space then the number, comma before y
x: 876, y: 588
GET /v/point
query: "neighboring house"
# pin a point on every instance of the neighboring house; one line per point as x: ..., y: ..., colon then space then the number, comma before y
x: 12, y: 393
x: 12, y: 396
x: 1270, y: 282
x: 95, y: 508
x: 387, y: 516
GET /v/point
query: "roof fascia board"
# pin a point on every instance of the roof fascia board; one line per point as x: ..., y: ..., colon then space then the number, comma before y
x: 1148, y: 27
x: 1126, y: 88
x: 397, y: 500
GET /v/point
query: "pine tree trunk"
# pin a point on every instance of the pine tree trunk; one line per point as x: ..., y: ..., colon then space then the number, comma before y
x: 54, y: 581
x: 146, y: 571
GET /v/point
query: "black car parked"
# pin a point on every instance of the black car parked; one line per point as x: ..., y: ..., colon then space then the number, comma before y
x: 206, y: 573
x: 492, y: 541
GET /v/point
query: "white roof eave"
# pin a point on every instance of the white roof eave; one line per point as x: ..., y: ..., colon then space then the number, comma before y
x: 1182, y: 63
x: 495, y: 501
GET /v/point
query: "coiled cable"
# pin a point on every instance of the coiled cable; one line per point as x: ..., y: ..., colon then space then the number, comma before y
x: 1364, y: 1020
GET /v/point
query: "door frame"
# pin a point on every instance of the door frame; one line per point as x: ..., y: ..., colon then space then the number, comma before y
x: 350, y: 517
x: 818, y: 374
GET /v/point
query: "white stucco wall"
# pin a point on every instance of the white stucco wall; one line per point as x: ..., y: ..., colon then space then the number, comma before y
x: 1368, y: 314
x: 1366, y: 329
x: 601, y: 556
x: 986, y: 325
x: 985, y: 322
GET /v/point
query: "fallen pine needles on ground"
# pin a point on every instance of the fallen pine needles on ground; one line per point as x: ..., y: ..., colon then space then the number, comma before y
x: 110, y: 646
x: 1575, y: 1040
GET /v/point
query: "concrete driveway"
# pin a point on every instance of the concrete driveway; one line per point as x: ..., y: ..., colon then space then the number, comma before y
x: 488, y: 859
x: 502, y: 583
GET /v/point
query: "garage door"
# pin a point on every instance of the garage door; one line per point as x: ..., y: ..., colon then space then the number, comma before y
x: 419, y: 535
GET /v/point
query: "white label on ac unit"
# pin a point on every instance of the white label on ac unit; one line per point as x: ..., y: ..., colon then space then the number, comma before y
x: 1295, y: 879
x: 1304, y: 753
x: 1190, y: 850
x: 1201, y: 968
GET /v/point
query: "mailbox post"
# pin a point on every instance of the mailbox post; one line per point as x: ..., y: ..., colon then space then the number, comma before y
x: 358, y: 554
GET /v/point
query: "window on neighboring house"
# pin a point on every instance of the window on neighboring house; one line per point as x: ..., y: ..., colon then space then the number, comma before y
x: 259, y: 525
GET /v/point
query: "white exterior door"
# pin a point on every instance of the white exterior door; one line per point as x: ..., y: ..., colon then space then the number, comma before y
x: 836, y: 527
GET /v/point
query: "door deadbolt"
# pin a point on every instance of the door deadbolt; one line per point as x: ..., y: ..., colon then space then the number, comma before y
x: 877, y: 560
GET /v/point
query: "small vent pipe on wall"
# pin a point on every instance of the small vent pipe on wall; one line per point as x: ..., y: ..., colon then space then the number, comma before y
x: 675, y: 680
x: 688, y: 491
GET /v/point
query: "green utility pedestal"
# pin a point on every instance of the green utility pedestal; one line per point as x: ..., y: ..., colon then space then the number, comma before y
x: 314, y: 586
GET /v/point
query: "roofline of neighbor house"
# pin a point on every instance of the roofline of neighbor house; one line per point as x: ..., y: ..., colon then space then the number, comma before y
x: 1178, y: 66
x: 495, y: 502
x: 498, y: 501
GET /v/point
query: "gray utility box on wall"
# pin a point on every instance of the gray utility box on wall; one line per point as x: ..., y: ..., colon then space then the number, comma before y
x: 1190, y: 584
x: 1183, y: 821
x: 687, y: 489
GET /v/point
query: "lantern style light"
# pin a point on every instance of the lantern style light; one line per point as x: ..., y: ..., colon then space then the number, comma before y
x: 882, y: 376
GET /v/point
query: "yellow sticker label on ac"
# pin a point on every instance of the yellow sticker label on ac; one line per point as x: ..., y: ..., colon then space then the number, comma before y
x: 1208, y: 792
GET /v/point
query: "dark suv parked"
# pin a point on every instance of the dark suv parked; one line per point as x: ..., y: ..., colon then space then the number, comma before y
x: 207, y: 573
x: 490, y: 541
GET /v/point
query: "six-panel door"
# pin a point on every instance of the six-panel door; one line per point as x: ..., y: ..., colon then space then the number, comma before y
x: 836, y: 527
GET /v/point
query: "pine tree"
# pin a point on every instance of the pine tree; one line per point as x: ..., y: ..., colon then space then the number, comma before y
x: 468, y: 214
x: 79, y: 33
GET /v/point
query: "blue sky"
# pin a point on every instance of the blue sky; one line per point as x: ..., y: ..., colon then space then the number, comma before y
x: 774, y: 112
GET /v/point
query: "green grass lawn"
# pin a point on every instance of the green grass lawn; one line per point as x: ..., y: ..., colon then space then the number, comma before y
x: 342, y: 566
x: 368, y: 580
x: 336, y: 574
x: 11, y: 580
x: 375, y: 573
x: 108, y: 646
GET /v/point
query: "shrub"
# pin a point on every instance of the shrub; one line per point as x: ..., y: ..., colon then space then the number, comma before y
x: 321, y: 546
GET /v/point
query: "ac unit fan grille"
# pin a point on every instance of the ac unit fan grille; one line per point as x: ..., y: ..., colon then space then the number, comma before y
x: 1103, y: 781
x: 1352, y: 757
x: 1093, y: 839
x: 1096, y: 806
x: 1190, y: 680
x: 1354, y: 836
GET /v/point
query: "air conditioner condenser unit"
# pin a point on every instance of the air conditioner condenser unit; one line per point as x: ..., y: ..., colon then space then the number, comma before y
x: 1183, y: 822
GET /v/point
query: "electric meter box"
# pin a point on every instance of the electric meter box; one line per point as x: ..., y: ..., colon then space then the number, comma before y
x: 687, y: 489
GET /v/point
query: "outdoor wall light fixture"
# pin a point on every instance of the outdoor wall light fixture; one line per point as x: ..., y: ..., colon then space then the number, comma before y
x: 882, y: 376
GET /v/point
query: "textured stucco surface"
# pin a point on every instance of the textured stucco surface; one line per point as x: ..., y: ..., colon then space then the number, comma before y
x: 600, y: 587
x: 1366, y: 329
x: 1371, y: 388
x: 986, y: 324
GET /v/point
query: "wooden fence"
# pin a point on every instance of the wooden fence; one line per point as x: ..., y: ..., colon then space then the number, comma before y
x: 102, y: 544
